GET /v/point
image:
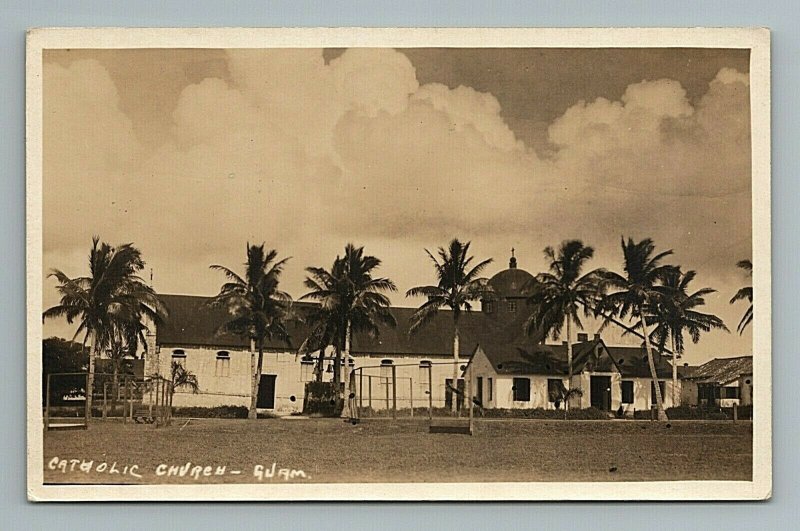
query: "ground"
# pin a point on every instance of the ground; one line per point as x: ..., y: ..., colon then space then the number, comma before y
x: 383, y: 450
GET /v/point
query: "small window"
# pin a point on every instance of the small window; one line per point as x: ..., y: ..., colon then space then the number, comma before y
x: 489, y: 389
x: 512, y: 306
x: 488, y: 306
x: 627, y: 391
x: 555, y: 389
x: 223, y: 367
x: 729, y: 392
x: 306, y: 370
x: 522, y: 390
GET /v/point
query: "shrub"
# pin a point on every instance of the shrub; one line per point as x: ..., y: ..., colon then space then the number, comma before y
x: 539, y: 413
x: 218, y: 412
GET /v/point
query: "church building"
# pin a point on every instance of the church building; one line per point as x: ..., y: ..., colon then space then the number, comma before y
x: 510, y: 369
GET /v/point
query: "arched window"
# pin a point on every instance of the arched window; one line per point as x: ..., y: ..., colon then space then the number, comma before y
x: 179, y: 356
x: 424, y: 376
x: 223, y: 366
x: 386, y: 371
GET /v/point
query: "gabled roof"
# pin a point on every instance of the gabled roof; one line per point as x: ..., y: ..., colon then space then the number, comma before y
x: 723, y: 370
x: 630, y: 362
x: 191, y: 322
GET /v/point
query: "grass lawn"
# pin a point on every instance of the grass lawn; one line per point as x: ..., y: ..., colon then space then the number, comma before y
x: 382, y: 450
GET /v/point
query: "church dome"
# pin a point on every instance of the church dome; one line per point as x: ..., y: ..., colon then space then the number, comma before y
x: 512, y: 282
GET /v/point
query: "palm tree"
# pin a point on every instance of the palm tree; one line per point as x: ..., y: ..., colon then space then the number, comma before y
x: 180, y: 377
x: 112, y: 296
x: 258, y: 310
x: 674, y: 312
x: 745, y: 293
x: 457, y: 288
x: 352, y: 300
x: 633, y: 293
x: 557, y: 294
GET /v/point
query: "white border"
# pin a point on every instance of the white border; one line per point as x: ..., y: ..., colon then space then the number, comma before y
x: 757, y: 39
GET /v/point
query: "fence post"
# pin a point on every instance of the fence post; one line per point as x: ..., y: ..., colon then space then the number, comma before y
x: 469, y: 397
x: 88, y: 403
x: 735, y: 413
x: 126, y: 401
x: 369, y: 384
x: 105, y: 399
x: 430, y: 392
x: 388, y: 405
x: 47, y: 404
x: 360, y: 388
x: 411, y: 395
x: 394, y: 392
x: 150, y: 400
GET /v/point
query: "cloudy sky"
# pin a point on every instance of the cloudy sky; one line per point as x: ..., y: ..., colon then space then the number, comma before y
x: 191, y: 153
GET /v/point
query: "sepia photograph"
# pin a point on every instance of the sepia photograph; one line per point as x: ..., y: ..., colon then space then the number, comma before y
x: 398, y: 264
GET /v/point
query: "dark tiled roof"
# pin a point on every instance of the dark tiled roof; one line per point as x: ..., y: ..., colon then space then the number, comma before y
x: 552, y: 359
x: 723, y: 370
x: 192, y: 323
x: 632, y: 362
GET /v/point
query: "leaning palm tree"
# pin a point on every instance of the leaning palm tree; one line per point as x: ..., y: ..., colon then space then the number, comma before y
x: 458, y: 287
x: 557, y: 295
x: 258, y: 310
x: 673, y: 312
x: 352, y: 300
x: 632, y: 293
x: 112, y: 296
x: 745, y: 293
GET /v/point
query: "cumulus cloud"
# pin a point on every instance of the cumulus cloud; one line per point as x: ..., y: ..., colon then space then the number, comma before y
x: 308, y: 155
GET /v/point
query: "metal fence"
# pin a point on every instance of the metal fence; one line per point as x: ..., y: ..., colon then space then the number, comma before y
x: 122, y: 396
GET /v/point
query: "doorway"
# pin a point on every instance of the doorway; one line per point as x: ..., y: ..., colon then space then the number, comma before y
x: 600, y: 392
x: 266, y: 392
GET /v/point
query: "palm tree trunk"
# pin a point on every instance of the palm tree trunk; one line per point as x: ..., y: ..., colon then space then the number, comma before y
x: 662, y: 415
x: 674, y: 374
x: 337, y: 367
x: 251, y: 413
x: 569, y: 363
x: 346, y: 360
x: 454, y: 402
x: 90, y: 377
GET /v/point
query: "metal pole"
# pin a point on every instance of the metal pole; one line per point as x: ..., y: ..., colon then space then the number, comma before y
x: 394, y: 392
x: 47, y: 404
x: 369, y: 383
x: 430, y: 392
x: 105, y: 399
x: 411, y: 395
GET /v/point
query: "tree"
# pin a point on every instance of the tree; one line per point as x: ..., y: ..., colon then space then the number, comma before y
x: 351, y: 300
x: 558, y: 294
x: 112, y: 296
x: 324, y: 331
x: 745, y: 293
x: 632, y: 293
x: 258, y: 310
x: 673, y: 312
x: 62, y: 356
x: 458, y: 287
x: 180, y: 377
